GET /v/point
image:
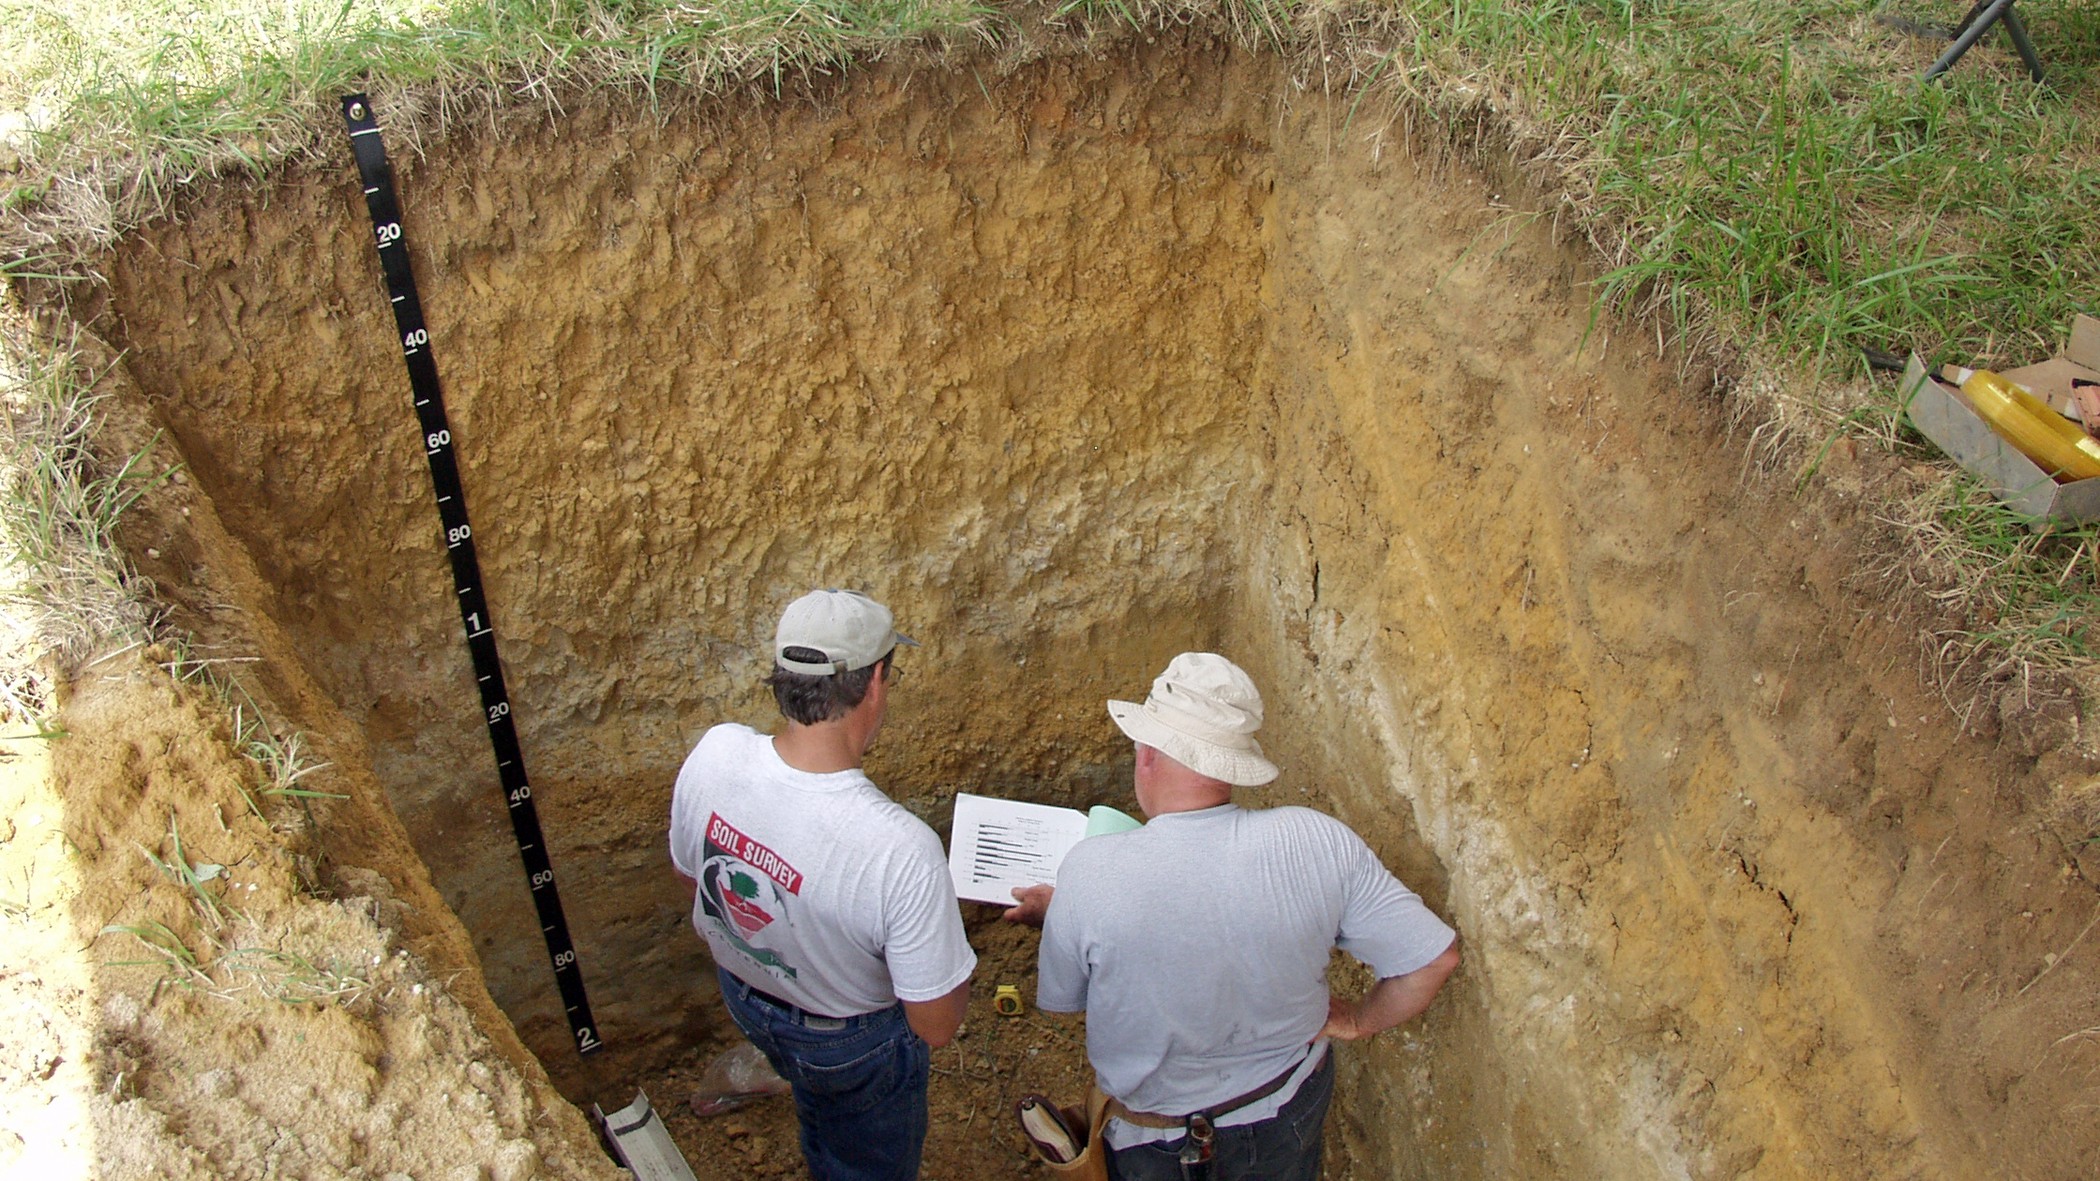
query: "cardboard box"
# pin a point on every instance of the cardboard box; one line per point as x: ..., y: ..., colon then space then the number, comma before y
x: 1942, y: 413
x: 2051, y: 380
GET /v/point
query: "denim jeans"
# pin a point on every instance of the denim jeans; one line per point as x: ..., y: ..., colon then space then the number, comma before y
x: 859, y: 1083
x: 1284, y: 1147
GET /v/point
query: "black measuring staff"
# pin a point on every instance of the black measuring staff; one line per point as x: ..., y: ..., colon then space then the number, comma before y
x: 466, y: 571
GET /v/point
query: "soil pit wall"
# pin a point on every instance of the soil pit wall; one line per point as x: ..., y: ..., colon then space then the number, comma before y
x: 1079, y: 363
x: 696, y: 368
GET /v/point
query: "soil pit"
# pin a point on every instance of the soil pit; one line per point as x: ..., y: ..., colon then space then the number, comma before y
x: 1078, y: 362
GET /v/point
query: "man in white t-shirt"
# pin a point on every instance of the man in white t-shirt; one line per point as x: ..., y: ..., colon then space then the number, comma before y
x: 828, y: 908
x: 1198, y: 946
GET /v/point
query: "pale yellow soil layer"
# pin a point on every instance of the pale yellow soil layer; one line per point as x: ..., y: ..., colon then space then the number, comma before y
x: 1077, y: 361
x: 270, y: 1034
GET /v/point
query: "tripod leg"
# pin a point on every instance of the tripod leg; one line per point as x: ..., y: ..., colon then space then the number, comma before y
x: 1967, y: 36
x: 1975, y: 10
x: 2017, y: 30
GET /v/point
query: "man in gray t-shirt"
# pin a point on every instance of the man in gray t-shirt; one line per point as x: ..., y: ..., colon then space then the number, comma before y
x: 1198, y: 945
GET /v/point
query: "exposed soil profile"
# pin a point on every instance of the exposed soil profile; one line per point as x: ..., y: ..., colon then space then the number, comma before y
x: 1077, y: 361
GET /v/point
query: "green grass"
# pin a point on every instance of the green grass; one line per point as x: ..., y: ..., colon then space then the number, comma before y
x: 65, y: 587
x: 315, y: 977
x: 191, y: 876
x: 121, y: 103
x: 2027, y: 592
x: 281, y: 756
x: 295, y: 979
x: 1774, y: 173
x: 169, y: 953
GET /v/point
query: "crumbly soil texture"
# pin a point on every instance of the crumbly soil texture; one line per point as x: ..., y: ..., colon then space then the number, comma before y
x: 1078, y: 357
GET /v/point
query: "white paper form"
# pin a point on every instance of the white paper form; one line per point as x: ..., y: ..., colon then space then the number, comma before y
x: 997, y: 845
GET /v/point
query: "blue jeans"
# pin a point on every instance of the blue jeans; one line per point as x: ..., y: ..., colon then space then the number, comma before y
x: 859, y: 1082
x: 1284, y: 1147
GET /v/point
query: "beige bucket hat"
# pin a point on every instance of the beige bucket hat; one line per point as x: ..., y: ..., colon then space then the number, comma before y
x: 1202, y: 713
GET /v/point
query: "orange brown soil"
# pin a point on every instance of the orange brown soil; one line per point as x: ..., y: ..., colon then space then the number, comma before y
x: 1077, y: 361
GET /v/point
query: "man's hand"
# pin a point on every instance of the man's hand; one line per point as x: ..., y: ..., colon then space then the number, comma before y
x: 1390, y: 1001
x: 1344, y: 1021
x: 1032, y: 903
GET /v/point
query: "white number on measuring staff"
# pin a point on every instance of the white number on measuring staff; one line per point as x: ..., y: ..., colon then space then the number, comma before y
x: 542, y: 878
x: 415, y: 339
x: 435, y: 440
x: 498, y: 710
x: 564, y: 959
x: 388, y: 233
x: 457, y: 534
x: 523, y: 793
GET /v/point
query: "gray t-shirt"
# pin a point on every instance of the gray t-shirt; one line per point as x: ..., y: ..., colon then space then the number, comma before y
x: 1198, y: 948
x: 815, y: 888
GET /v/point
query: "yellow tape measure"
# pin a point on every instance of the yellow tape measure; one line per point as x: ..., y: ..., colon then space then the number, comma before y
x: 1006, y: 1001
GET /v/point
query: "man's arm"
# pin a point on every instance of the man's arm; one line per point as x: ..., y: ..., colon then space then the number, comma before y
x: 1390, y: 1001
x: 936, y: 1021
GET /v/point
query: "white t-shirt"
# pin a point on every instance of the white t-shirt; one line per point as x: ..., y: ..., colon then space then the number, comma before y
x: 1198, y: 947
x: 815, y: 888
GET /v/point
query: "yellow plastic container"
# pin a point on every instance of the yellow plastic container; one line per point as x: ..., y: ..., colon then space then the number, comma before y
x: 2061, y: 447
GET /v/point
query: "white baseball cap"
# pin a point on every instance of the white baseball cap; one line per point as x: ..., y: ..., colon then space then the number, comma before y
x: 834, y: 631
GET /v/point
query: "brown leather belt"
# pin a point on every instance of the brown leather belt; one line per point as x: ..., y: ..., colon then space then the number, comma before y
x: 1153, y: 1119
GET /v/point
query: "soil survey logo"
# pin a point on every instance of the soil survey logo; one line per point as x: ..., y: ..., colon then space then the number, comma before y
x: 744, y: 888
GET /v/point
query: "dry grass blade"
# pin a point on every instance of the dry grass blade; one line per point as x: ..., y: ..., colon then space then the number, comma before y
x: 2023, y: 612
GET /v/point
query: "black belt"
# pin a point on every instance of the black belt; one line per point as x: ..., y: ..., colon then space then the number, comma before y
x: 807, y: 1018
